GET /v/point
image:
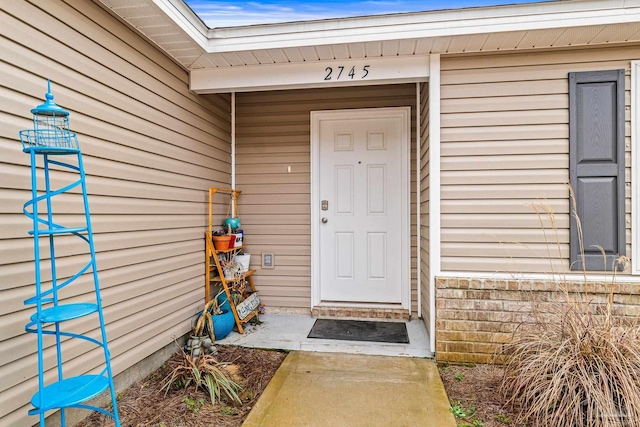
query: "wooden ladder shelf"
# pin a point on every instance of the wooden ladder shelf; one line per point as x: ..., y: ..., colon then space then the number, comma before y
x: 214, y: 271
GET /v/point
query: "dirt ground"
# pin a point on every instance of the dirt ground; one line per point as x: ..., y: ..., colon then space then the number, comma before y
x: 472, y: 393
x: 143, y: 404
x: 474, y: 397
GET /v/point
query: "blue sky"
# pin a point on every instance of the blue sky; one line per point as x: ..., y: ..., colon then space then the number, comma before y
x: 230, y: 13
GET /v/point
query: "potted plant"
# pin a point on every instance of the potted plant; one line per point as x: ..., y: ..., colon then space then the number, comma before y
x: 231, y: 269
x: 221, y: 239
x: 242, y: 260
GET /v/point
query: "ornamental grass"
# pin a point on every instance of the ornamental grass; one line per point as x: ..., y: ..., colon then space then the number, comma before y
x: 576, y: 360
x: 202, y: 373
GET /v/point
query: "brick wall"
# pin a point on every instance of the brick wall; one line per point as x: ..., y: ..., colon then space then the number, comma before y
x: 360, y: 313
x: 475, y: 316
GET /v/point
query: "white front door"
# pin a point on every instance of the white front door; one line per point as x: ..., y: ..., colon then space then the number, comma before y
x: 362, y: 206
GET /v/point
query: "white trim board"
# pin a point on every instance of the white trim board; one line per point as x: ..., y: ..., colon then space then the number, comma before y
x: 540, y: 276
x: 348, y: 72
x: 434, y: 190
x: 418, y: 210
x: 233, y: 140
x: 548, y: 20
x: 316, y: 118
x: 635, y: 166
x: 180, y: 14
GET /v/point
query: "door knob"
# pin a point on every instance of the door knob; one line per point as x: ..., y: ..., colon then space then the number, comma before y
x: 325, y: 220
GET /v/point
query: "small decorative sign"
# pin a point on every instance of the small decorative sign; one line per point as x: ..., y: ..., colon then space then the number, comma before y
x: 248, y: 305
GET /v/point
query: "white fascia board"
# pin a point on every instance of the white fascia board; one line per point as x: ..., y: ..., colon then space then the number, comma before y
x: 451, y: 15
x: 423, y: 25
x: 370, y: 71
x: 183, y: 16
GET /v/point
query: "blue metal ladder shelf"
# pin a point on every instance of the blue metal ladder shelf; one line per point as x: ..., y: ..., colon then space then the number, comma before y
x: 55, y: 155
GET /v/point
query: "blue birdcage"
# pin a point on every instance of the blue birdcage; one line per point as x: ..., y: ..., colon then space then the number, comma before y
x: 52, y: 144
x: 50, y: 127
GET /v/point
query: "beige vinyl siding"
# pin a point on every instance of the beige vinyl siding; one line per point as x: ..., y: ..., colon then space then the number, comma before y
x: 505, y: 146
x: 424, y: 204
x: 273, y: 133
x: 151, y: 149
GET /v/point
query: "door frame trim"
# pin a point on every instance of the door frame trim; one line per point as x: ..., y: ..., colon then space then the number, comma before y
x: 405, y: 260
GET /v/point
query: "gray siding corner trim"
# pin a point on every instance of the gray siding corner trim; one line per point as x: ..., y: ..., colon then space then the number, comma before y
x: 597, y: 168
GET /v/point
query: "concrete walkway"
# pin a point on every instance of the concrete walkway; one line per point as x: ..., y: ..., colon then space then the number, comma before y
x: 352, y: 390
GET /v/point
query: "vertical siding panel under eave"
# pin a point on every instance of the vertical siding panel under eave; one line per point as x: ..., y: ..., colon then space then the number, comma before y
x: 505, y: 124
x: 424, y: 204
x: 272, y: 133
x: 414, y: 194
x: 151, y: 150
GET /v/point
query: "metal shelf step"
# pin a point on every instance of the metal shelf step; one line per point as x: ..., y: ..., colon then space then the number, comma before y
x: 65, y: 312
x: 47, y: 232
x: 69, y: 392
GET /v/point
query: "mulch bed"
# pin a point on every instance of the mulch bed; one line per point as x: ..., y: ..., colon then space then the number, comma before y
x: 144, y: 404
x: 472, y: 388
x: 475, y: 390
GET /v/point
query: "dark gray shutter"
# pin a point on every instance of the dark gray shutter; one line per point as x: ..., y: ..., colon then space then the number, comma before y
x: 596, y: 166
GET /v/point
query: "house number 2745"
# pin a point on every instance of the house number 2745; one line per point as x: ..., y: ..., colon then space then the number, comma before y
x: 340, y: 72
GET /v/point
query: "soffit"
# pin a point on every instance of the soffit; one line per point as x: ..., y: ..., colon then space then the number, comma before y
x: 180, y: 33
x: 172, y: 26
x: 468, y: 43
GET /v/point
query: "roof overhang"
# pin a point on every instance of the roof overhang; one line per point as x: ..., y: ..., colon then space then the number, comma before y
x: 279, y: 56
x: 353, y: 72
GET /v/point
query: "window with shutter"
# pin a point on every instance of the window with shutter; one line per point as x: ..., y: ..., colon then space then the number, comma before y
x: 596, y: 168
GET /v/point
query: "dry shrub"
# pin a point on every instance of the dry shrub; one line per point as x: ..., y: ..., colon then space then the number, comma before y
x: 202, y: 372
x: 575, y: 362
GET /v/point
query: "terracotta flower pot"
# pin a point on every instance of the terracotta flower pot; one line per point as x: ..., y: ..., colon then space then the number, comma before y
x: 221, y: 242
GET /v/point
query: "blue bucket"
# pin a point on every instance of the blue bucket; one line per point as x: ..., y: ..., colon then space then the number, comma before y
x: 223, y: 323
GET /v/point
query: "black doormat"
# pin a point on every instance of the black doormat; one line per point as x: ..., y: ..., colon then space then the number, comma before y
x: 358, y: 330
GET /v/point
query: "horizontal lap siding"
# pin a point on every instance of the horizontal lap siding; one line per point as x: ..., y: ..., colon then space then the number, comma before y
x: 505, y: 148
x: 424, y: 204
x: 151, y: 149
x: 273, y: 133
